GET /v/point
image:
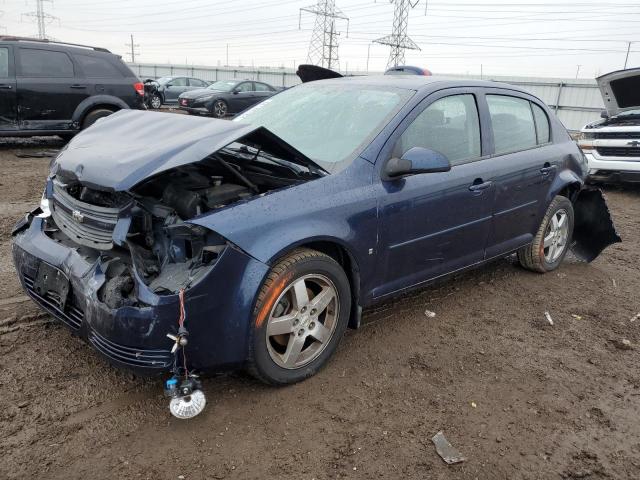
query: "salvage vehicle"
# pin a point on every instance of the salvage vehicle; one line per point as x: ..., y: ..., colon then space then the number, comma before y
x: 225, y: 97
x: 255, y: 243
x: 55, y: 88
x: 166, y: 90
x: 612, y: 145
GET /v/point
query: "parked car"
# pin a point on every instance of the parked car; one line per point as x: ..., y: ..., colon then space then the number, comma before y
x: 612, y: 145
x: 168, y: 89
x: 53, y: 88
x: 407, y: 70
x: 225, y: 97
x: 255, y: 243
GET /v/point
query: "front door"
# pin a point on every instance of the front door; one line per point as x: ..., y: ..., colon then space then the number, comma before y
x: 8, y: 106
x: 243, y: 96
x: 174, y: 88
x: 432, y: 224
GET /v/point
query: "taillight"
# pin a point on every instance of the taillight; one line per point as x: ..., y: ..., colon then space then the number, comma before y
x: 139, y: 86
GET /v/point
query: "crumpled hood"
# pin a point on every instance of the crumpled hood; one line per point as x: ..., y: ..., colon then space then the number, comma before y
x: 123, y: 149
x: 620, y: 90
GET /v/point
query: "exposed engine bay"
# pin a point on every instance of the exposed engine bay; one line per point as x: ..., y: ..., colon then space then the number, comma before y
x: 144, y: 232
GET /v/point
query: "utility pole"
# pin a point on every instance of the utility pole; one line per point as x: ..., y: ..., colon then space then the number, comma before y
x: 398, y: 40
x: 41, y: 17
x: 626, y: 59
x: 133, y: 47
x: 227, y: 64
x: 578, y: 70
x: 368, y: 53
x: 323, y: 48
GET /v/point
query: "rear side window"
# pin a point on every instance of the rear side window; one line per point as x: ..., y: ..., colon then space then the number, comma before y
x: 4, y: 62
x: 512, y: 122
x: 44, y: 63
x: 542, y: 124
x: 94, y: 67
x: 194, y: 82
x: 261, y: 87
x: 178, y: 82
x: 449, y: 125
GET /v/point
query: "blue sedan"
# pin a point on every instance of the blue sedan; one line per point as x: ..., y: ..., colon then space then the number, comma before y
x: 256, y: 243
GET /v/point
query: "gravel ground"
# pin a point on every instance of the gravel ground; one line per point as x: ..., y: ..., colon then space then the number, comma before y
x: 521, y: 399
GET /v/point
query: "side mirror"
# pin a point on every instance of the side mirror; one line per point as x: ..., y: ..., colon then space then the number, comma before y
x: 235, y: 91
x: 417, y: 160
x: 604, y: 114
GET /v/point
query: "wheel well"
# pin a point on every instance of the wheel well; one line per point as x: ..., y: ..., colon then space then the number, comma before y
x: 103, y: 106
x: 350, y: 267
x: 571, y: 191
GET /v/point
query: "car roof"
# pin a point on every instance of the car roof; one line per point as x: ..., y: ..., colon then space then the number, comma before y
x: 418, y: 82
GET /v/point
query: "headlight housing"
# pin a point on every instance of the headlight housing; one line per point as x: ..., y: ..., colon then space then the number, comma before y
x: 585, y: 140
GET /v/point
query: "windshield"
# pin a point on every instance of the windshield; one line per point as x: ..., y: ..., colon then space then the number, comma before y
x: 223, y: 85
x: 329, y: 123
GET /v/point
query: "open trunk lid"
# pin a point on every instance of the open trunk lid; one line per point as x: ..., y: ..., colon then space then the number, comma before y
x: 620, y: 90
x: 130, y: 146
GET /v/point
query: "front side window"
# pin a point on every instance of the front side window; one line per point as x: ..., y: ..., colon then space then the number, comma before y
x: 542, y: 124
x: 178, y: 82
x: 244, y: 87
x: 97, y: 67
x: 512, y: 122
x: 4, y: 62
x: 449, y: 126
x: 44, y: 63
x: 328, y: 122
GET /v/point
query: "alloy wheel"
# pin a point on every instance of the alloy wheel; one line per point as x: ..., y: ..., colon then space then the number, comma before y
x: 302, y: 321
x: 156, y: 102
x: 220, y: 108
x: 556, y: 236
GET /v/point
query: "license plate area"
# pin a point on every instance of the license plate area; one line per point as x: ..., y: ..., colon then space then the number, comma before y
x: 52, y: 283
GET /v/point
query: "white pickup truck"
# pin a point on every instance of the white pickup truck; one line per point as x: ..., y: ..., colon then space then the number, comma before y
x: 612, y: 145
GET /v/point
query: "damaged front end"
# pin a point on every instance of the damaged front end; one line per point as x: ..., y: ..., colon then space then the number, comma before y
x: 111, y: 250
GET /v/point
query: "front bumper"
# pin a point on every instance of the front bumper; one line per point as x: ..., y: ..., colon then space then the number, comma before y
x: 218, y: 308
x: 614, y: 170
x: 195, y: 110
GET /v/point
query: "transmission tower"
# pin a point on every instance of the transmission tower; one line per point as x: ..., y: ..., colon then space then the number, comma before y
x: 398, y: 40
x: 323, y: 48
x: 41, y: 17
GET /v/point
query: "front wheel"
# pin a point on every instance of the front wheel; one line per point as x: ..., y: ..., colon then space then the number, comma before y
x: 156, y: 101
x: 220, y: 109
x: 552, y: 240
x: 301, y: 313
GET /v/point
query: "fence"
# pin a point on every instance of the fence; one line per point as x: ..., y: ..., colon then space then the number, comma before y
x: 576, y: 102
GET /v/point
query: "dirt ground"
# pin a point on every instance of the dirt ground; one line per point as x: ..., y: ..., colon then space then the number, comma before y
x: 521, y: 399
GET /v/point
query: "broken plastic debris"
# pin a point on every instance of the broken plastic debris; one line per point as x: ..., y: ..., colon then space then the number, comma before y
x: 473, y: 404
x: 622, y: 344
x: 577, y: 317
x: 548, y: 317
x: 429, y: 313
x: 635, y: 317
x: 446, y: 451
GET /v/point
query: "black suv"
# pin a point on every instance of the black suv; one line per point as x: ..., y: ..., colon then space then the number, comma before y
x: 51, y: 88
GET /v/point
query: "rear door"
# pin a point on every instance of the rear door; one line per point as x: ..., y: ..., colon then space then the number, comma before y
x: 8, y: 105
x: 261, y: 91
x: 48, y: 90
x: 432, y: 224
x: 525, y: 163
x: 102, y: 74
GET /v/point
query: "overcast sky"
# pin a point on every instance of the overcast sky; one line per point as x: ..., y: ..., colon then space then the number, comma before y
x: 507, y: 37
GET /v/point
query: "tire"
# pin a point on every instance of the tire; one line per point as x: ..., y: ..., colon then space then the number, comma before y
x: 553, y: 232
x: 290, y: 340
x: 155, y: 102
x: 94, y: 115
x: 219, y: 108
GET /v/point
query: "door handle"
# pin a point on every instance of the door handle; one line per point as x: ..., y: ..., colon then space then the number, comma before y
x: 6, y: 87
x: 78, y: 86
x: 478, y: 185
x: 547, y: 169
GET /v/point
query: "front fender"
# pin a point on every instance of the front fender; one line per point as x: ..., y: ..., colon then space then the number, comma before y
x: 593, y: 229
x: 88, y: 103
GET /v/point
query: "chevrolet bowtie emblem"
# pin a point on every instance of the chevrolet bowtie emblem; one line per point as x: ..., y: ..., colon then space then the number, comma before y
x: 77, y: 216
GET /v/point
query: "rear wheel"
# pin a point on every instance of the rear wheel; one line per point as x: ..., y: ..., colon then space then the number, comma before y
x: 94, y: 115
x: 300, y: 316
x: 552, y: 240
